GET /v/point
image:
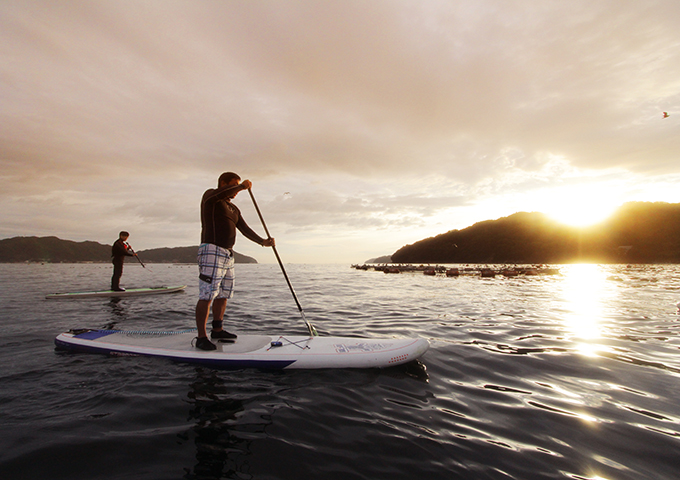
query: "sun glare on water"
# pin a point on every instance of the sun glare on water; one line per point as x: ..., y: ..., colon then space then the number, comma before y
x: 584, y: 292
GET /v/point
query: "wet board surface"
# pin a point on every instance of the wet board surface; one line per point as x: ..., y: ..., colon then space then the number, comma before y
x: 111, y: 293
x: 258, y: 351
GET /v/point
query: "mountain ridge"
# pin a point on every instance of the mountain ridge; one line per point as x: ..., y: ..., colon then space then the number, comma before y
x: 55, y: 250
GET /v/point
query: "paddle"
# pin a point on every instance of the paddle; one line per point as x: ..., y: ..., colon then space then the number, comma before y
x: 312, y: 330
x: 135, y: 254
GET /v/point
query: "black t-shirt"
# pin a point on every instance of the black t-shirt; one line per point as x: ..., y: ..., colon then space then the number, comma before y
x: 220, y: 218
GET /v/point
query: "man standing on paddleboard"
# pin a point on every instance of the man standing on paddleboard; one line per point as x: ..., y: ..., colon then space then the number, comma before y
x: 219, y: 221
x: 119, y: 250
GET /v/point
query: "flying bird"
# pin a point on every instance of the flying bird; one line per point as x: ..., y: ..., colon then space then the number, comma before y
x: 665, y: 115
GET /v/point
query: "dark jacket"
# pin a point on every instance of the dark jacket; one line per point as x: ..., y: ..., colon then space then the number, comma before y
x: 120, y: 250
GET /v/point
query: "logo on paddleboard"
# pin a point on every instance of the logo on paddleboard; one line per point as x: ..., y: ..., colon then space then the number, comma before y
x: 361, y: 347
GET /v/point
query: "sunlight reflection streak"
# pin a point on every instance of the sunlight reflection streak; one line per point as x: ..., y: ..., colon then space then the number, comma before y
x: 583, y: 290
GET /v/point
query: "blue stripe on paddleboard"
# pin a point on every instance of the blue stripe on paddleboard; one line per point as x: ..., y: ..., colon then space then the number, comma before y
x: 207, y: 362
x: 94, y: 334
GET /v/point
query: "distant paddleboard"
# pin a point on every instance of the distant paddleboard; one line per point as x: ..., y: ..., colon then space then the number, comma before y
x: 250, y: 351
x: 112, y: 293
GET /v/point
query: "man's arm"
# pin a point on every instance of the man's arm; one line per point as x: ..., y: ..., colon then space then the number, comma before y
x: 250, y: 234
x: 228, y: 191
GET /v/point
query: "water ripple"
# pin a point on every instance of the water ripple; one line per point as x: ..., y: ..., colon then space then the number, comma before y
x: 563, y: 376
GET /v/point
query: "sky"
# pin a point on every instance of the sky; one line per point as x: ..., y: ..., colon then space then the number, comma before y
x: 363, y: 125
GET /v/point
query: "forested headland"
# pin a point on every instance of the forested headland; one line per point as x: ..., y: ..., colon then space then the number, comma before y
x: 638, y: 232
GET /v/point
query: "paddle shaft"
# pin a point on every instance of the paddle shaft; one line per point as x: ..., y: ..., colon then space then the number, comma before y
x: 312, y: 330
x: 135, y: 254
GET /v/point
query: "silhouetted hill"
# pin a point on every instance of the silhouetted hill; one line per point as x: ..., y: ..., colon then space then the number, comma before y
x: 56, y: 250
x: 651, y: 229
x: 182, y: 255
x: 52, y: 249
x: 383, y: 259
x: 638, y: 232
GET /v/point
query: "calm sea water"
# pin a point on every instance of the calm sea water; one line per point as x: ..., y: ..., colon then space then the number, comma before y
x: 569, y: 376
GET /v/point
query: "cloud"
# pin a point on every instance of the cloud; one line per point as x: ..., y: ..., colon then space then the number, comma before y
x: 375, y: 115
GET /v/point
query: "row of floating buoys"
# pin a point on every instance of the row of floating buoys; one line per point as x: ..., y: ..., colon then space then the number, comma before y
x: 487, y: 273
x: 484, y: 272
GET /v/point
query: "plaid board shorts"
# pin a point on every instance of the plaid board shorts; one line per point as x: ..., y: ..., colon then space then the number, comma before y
x: 216, y: 272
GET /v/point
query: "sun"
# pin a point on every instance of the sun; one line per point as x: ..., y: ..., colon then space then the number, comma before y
x: 579, y: 207
x: 580, y: 214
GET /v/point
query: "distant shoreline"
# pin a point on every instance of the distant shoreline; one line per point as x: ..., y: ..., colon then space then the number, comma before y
x: 56, y: 250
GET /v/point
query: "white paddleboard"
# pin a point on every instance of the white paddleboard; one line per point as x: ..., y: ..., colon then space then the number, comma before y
x: 112, y: 293
x: 250, y: 351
